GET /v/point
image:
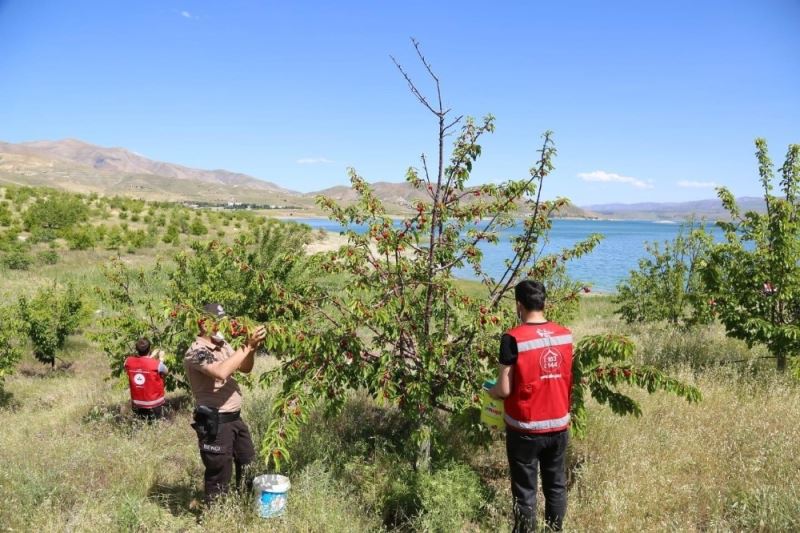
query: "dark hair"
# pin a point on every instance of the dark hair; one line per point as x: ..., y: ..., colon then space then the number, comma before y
x: 143, y: 346
x: 531, y: 294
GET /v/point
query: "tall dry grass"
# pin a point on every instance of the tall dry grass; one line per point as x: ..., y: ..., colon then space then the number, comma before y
x: 74, y: 460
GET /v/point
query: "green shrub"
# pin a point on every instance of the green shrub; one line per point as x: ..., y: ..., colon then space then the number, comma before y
x: 100, y: 233
x: 49, y: 317
x: 138, y: 239
x: 57, y: 212
x: 115, y: 239
x: 47, y: 257
x: 39, y: 234
x: 754, y: 274
x: 8, y: 239
x: 18, y: 257
x: 9, y: 349
x: 5, y: 215
x: 81, y: 238
x: 172, y: 235
x: 667, y: 284
x: 251, y: 279
x: 197, y: 227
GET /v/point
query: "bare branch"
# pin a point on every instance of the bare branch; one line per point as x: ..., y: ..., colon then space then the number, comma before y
x: 424, y: 61
x: 442, y: 112
x: 513, y: 271
x: 413, y: 88
x: 454, y: 122
x: 425, y: 168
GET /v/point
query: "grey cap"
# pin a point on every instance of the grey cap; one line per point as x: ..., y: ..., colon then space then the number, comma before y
x: 214, y: 309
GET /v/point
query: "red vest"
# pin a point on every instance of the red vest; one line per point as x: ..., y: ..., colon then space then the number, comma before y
x: 542, y: 380
x: 147, y: 386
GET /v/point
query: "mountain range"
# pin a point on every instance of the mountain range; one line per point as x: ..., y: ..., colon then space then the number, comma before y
x: 78, y: 166
x: 711, y: 209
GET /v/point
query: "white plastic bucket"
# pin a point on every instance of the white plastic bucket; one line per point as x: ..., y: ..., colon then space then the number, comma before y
x: 271, y: 494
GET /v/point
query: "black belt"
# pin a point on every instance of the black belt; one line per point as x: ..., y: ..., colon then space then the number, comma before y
x: 229, y: 417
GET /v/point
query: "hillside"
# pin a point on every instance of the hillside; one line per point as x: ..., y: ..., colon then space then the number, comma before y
x: 403, y: 196
x: 399, y: 194
x: 711, y: 209
x: 81, y: 167
x: 78, y: 166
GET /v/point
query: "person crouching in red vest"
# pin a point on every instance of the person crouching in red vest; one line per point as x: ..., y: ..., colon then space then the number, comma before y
x: 145, y: 373
x: 535, y: 379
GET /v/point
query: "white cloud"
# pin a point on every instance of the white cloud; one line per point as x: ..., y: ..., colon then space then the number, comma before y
x: 314, y: 161
x: 187, y: 15
x: 698, y: 184
x: 610, y: 177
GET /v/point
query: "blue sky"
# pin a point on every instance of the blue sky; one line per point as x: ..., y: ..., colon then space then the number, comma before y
x: 649, y: 101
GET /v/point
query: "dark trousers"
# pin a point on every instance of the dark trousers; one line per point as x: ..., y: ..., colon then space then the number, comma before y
x: 527, y: 454
x: 232, y: 446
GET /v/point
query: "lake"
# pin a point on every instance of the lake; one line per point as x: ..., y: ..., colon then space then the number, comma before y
x: 610, y: 262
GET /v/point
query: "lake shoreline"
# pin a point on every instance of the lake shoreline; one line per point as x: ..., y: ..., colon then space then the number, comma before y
x: 330, y: 241
x: 293, y: 216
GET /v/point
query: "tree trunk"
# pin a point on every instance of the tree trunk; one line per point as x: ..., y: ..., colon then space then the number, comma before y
x: 423, y: 463
x: 781, y: 362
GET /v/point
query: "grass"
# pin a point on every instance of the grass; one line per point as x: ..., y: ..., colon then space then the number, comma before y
x: 74, y: 459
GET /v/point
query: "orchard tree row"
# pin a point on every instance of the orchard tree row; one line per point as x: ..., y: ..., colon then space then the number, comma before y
x: 40, y: 324
x: 748, y: 278
x: 36, y: 224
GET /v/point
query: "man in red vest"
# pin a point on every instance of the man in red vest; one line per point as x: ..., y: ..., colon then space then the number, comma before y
x: 145, y: 378
x: 535, y: 378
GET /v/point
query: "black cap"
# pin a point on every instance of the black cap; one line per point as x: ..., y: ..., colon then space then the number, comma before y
x: 214, y: 309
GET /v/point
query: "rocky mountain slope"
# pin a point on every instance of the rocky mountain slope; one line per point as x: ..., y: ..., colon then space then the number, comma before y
x: 79, y: 166
x: 82, y: 167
